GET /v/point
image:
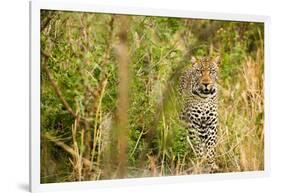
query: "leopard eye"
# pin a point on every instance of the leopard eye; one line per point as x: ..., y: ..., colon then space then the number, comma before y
x: 199, y: 71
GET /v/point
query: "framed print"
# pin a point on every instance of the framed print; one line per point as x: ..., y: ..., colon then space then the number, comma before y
x: 127, y: 94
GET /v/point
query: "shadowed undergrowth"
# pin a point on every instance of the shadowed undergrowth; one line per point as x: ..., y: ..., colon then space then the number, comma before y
x: 95, y: 66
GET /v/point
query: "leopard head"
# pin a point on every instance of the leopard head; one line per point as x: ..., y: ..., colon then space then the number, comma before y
x: 204, y: 76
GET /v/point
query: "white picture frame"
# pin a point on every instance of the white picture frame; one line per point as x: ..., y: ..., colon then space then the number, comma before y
x: 36, y: 6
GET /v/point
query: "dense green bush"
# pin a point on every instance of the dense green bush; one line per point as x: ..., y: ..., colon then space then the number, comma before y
x: 79, y: 61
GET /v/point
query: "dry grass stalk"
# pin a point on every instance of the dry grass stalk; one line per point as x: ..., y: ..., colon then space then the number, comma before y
x: 122, y: 54
x: 65, y: 147
x: 77, y: 160
x: 98, y: 119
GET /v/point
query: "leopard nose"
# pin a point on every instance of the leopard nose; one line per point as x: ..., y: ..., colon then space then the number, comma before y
x: 205, y: 84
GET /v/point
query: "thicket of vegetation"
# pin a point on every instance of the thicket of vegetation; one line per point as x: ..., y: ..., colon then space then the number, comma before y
x: 109, y: 101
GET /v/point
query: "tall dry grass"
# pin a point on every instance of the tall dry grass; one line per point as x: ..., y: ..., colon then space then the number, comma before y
x: 241, y: 115
x: 110, y: 105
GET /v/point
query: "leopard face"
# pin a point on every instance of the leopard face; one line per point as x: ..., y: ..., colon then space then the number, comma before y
x: 204, y: 77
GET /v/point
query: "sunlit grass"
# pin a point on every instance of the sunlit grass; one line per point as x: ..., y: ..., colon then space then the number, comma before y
x: 83, y: 95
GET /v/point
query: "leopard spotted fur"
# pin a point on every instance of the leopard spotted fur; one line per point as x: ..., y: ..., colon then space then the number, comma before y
x: 198, y: 87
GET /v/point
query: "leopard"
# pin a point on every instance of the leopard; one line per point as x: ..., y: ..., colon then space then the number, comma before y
x: 199, y: 89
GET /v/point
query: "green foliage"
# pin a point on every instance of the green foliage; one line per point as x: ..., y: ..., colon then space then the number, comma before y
x: 81, y: 56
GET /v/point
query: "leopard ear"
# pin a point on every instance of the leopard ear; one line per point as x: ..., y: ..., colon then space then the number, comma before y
x: 193, y: 60
x: 217, y: 60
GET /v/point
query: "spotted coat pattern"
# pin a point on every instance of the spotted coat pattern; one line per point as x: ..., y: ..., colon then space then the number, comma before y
x: 198, y: 86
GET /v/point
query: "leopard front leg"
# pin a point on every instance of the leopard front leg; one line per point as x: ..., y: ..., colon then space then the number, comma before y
x: 211, y: 143
x: 192, y: 127
x: 196, y: 142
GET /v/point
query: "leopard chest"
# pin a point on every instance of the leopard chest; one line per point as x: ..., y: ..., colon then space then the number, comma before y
x: 202, y: 116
